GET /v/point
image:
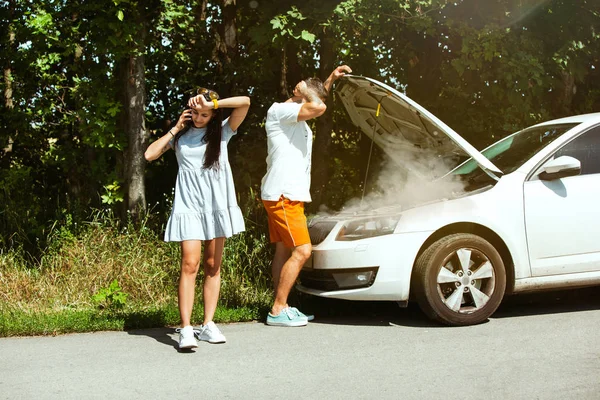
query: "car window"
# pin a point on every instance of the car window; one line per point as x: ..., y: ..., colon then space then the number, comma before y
x: 513, y: 151
x: 510, y: 153
x: 585, y: 148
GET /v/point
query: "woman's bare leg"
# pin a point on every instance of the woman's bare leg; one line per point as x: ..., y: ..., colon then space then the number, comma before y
x: 190, y: 262
x: 213, y: 254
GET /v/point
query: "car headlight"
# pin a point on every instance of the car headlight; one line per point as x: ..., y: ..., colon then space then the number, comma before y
x: 367, y: 228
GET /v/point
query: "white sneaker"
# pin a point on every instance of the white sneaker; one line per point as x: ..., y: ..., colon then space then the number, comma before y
x: 186, y: 338
x: 210, y: 333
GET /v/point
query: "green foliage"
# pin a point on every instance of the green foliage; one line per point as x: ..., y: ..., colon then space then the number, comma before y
x: 289, y: 24
x: 113, y: 193
x: 486, y: 69
x: 103, y: 274
x: 21, y: 214
x: 24, y: 323
x: 111, y: 297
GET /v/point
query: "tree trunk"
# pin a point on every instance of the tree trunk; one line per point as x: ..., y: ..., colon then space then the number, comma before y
x: 293, y: 68
x: 283, y: 85
x: 226, y: 39
x: 229, y: 28
x: 322, y: 145
x: 8, y: 99
x: 8, y: 93
x: 291, y: 72
x: 137, y: 135
x: 202, y: 10
x: 131, y: 75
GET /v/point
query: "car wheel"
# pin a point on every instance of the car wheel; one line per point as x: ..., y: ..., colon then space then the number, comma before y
x: 460, y: 280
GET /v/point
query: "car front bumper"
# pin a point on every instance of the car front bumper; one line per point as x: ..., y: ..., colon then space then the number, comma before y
x: 377, y: 268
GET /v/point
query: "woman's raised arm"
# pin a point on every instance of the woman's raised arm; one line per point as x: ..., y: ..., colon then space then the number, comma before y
x: 240, y: 104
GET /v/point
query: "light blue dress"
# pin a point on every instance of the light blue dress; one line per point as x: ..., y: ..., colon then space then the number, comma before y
x: 205, y: 205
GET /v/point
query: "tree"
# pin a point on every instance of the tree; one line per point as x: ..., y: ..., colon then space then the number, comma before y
x: 132, y: 93
x: 85, y: 84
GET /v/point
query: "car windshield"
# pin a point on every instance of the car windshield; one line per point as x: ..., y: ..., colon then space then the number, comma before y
x: 510, y: 153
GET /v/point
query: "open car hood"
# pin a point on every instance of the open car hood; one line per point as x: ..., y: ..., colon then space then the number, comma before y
x: 404, y: 130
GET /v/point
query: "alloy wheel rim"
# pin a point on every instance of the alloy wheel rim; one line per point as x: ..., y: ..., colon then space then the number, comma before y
x: 466, y: 281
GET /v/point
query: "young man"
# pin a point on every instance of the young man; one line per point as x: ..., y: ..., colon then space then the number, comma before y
x: 285, y: 188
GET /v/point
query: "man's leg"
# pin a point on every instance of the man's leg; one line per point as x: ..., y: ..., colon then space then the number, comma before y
x: 282, y: 254
x: 288, y: 230
x: 289, y: 273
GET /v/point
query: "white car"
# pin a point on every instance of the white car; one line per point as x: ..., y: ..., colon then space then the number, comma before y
x: 526, y: 219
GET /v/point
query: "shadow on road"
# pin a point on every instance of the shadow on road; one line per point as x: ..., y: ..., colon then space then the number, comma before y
x: 357, y: 313
x: 553, y: 302
x: 344, y: 312
x: 165, y: 336
x: 386, y: 313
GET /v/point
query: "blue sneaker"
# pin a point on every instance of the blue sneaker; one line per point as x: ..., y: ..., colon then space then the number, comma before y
x: 308, y: 317
x: 287, y: 317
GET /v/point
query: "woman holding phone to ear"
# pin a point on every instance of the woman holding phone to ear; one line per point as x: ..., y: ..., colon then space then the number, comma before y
x: 205, y: 209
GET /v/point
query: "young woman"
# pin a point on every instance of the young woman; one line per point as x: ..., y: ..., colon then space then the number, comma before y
x: 205, y: 207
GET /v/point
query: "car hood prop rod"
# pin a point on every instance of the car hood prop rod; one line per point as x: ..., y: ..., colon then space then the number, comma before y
x: 371, y: 149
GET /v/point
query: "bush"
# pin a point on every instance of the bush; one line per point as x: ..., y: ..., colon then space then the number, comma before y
x: 116, y: 273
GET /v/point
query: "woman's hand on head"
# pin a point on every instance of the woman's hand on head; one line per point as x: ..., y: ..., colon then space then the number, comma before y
x: 184, y: 119
x: 200, y: 103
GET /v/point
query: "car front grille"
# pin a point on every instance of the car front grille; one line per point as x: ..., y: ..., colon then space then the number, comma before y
x: 317, y: 279
x: 319, y: 231
x: 322, y: 279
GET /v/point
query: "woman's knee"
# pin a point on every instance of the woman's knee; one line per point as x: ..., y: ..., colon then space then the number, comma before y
x: 211, y: 268
x: 190, y: 265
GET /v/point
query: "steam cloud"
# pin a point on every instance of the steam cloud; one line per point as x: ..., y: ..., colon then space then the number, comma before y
x: 413, y: 182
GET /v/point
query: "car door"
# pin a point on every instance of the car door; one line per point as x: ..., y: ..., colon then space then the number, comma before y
x: 562, y: 216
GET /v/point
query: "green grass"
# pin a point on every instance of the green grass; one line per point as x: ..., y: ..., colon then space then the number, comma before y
x: 24, y: 323
x: 72, y: 288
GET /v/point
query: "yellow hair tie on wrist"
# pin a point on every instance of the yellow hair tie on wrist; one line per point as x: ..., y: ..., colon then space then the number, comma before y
x: 216, y: 103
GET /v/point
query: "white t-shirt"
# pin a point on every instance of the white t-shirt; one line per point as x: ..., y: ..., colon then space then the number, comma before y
x: 289, y: 147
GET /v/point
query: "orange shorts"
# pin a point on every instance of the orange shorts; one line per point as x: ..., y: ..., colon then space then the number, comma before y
x: 287, y: 222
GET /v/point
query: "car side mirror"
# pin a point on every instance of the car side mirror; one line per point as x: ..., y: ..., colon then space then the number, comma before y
x: 560, y: 167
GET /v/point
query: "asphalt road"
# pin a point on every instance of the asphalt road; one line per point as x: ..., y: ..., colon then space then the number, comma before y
x: 535, y: 347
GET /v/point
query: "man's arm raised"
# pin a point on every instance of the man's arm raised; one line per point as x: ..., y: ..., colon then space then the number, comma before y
x: 313, y: 108
x: 335, y: 75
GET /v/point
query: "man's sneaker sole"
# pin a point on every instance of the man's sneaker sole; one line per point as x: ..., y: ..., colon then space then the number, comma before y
x: 290, y: 323
x: 289, y: 316
x: 302, y: 315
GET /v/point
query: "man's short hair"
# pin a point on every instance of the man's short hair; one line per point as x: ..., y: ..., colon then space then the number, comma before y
x: 316, y: 85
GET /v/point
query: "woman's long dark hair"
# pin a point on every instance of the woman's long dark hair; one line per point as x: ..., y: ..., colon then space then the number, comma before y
x: 212, y: 138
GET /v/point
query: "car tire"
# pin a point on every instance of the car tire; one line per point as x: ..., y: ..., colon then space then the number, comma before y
x: 460, y: 280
